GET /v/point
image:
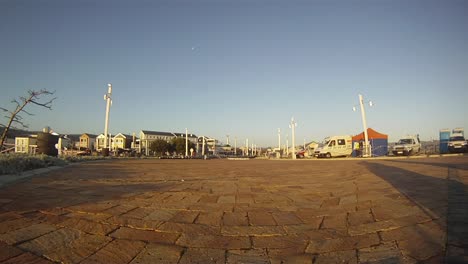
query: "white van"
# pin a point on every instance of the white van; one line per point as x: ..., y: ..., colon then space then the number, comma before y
x: 336, y: 146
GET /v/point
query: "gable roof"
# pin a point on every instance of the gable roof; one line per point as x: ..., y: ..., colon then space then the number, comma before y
x: 168, y: 134
x: 89, y: 135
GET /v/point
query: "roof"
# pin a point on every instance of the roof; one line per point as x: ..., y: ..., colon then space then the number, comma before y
x: 372, y: 134
x: 89, y: 135
x: 168, y: 134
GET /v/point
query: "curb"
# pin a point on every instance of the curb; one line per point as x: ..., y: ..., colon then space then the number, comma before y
x: 14, y: 178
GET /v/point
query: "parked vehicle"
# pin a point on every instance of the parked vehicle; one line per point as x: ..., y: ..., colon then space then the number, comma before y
x: 457, y: 143
x: 407, y: 146
x: 335, y: 146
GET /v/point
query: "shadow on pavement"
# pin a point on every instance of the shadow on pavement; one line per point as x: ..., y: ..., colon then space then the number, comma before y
x: 443, y: 197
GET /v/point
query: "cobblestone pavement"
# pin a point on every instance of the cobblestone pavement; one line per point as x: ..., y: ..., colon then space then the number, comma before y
x: 255, y: 211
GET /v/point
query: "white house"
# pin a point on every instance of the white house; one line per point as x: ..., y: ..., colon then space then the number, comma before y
x: 26, y: 144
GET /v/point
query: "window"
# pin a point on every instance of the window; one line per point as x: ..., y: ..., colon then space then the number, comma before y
x: 341, y: 142
x: 332, y: 143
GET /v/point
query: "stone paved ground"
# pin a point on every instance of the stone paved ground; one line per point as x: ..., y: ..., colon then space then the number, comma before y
x: 256, y: 211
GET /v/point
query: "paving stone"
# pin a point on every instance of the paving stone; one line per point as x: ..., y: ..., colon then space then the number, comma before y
x: 138, y: 213
x: 27, y: 258
x: 373, y: 227
x: 27, y: 233
x: 245, y: 198
x: 252, y: 230
x: 229, y: 199
x: 157, y: 253
x: 145, y: 235
x: 285, y: 241
x: 420, y: 249
x: 88, y: 226
x: 384, y: 253
x: 247, y: 256
x: 332, y: 202
x: 360, y: 217
x: 7, y: 251
x: 216, y: 242
x: 203, y: 255
x: 51, y: 241
x: 45, y: 218
x: 210, y: 218
x: 429, y: 232
x: 133, y: 223
x: 9, y: 216
x: 185, y: 217
x: 209, y: 199
x: 91, y: 207
x: 335, y: 222
x: 117, y: 251
x: 161, y: 215
x: 235, y: 219
x: 341, y: 244
x: 11, y: 225
x: 189, y: 228
x: 299, y: 229
x: 289, y: 258
x: 261, y: 219
x: 286, y: 218
x: 310, y: 218
x: 119, y: 209
x: 393, y: 210
x: 96, y: 217
x: 347, y: 256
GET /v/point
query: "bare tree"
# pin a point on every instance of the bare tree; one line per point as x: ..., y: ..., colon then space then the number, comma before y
x: 14, y: 117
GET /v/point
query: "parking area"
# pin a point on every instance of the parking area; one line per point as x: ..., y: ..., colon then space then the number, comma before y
x: 232, y: 211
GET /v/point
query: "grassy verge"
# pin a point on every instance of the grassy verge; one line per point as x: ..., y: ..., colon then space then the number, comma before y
x: 17, y: 163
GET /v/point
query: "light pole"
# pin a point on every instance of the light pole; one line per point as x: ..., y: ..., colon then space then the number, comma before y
x: 293, y: 125
x: 247, y: 147
x: 366, y: 147
x: 186, y: 142
x: 279, y: 140
x: 287, y: 145
x: 107, y: 97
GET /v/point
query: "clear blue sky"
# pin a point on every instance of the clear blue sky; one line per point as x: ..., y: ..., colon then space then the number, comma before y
x: 241, y: 68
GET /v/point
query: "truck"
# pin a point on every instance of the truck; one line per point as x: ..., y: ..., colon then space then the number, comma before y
x: 408, y: 145
x: 457, y: 142
x: 335, y: 146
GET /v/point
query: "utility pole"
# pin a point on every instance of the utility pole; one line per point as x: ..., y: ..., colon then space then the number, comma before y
x: 293, y: 125
x: 279, y: 139
x: 186, y: 142
x: 364, y: 125
x: 107, y: 97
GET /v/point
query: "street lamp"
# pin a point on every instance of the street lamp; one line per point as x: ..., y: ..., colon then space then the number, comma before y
x: 186, y: 142
x: 107, y: 97
x: 293, y: 126
x: 366, y: 148
x: 279, y: 140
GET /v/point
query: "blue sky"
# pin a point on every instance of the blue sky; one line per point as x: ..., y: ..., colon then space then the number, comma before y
x: 242, y: 68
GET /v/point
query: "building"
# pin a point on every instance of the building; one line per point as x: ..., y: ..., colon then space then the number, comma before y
x: 147, y: 136
x: 122, y: 141
x: 26, y: 144
x: 87, y: 141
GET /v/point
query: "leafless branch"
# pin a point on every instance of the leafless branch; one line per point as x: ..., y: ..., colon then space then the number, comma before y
x: 15, y: 117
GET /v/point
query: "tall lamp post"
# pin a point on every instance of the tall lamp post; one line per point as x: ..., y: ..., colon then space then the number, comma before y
x: 366, y: 148
x: 107, y: 97
x: 293, y: 125
x: 186, y: 142
x: 279, y: 140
